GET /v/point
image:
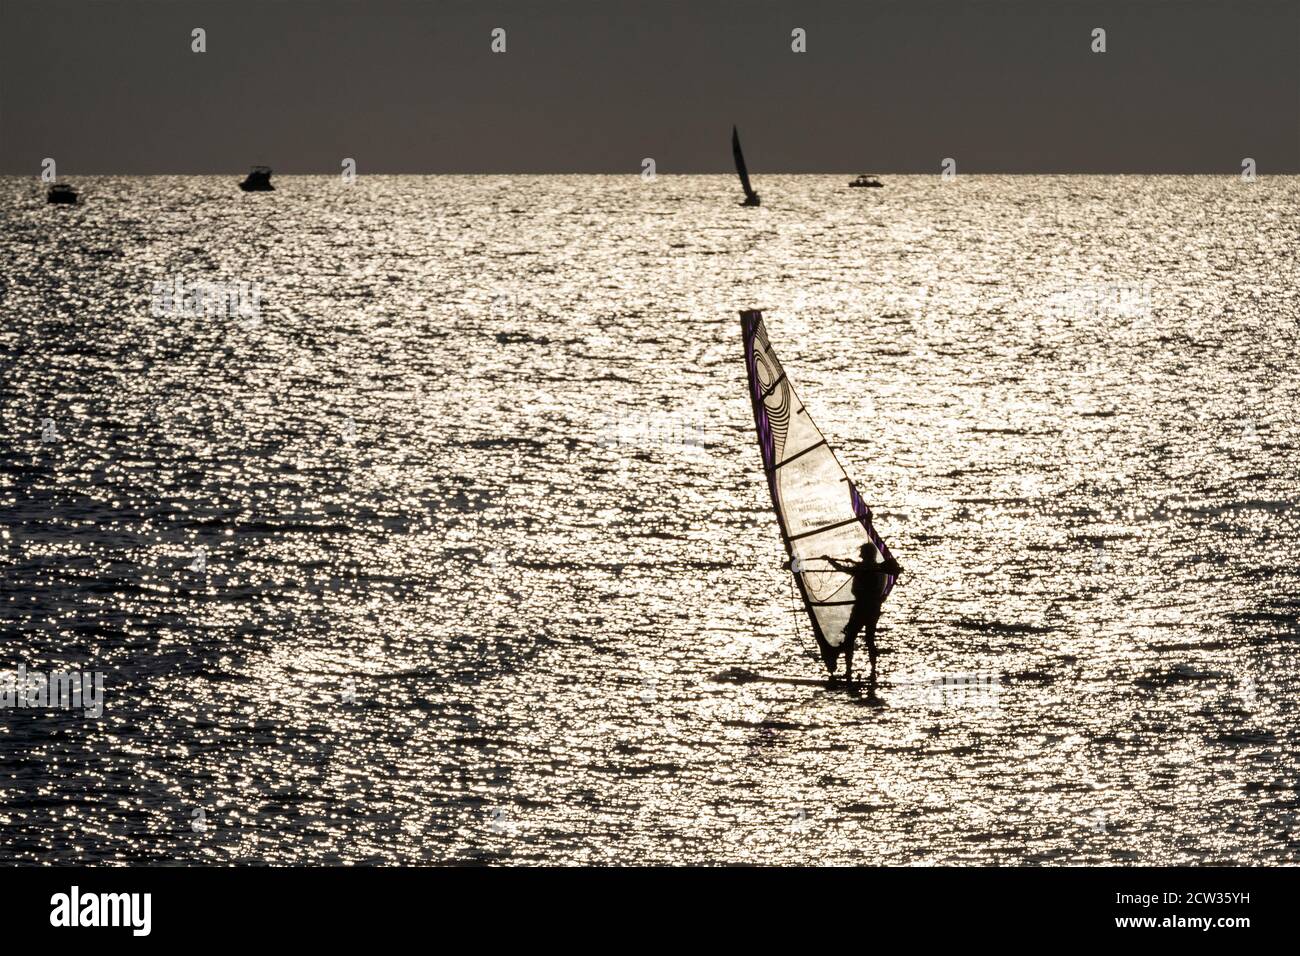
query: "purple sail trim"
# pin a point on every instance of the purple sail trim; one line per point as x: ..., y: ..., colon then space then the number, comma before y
x: 766, y: 444
x: 864, y: 515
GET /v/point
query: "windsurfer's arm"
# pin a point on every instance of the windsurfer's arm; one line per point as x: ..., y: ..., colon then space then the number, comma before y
x: 844, y: 566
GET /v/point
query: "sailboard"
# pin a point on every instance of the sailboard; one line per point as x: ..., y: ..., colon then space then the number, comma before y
x: 751, y: 197
x: 817, y: 506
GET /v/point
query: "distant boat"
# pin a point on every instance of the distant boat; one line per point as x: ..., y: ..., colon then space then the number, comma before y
x: 869, y: 181
x: 258, y: 180
x: 751, y: 197
x: 61, y: 193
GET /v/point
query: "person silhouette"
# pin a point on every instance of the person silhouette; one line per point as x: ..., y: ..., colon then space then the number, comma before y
x: 868, y: 588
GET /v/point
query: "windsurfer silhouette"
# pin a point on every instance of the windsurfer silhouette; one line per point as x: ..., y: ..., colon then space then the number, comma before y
x: 868, y: 583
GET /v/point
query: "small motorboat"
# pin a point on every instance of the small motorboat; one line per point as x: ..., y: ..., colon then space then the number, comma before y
x: 61, y: 193
x: 258, y: 180
x: 867, y: 181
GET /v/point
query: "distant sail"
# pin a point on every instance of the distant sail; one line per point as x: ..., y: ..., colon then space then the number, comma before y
x: 818, y: 508
x: 258, y: 180
x: 751, y: 197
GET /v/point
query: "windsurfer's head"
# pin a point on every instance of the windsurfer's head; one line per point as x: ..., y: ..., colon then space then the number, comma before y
x: 869, y: 552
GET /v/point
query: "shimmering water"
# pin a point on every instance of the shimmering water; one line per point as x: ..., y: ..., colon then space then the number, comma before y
x: 459, y: 549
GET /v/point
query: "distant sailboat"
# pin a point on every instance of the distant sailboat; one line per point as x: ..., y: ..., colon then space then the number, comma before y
x: 751, y: 197
x: 258, y: 180
x: 817, y: 506
x: 61, y: 194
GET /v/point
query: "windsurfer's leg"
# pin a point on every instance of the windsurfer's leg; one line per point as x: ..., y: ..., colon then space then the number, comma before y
x: 857, y: 621
x: 851, y: 630
x: 870, y: 632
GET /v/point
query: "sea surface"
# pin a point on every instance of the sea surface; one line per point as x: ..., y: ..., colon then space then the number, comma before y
x: 453, y: 544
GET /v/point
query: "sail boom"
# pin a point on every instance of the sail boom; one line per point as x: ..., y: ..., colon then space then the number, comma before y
x: 824, y: 528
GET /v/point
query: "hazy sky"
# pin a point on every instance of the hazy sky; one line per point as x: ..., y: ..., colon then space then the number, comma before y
x: 999, y: 85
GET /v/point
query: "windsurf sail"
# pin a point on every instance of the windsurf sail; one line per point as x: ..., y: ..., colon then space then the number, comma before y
x: 751, y: 197
x: 817, y: 506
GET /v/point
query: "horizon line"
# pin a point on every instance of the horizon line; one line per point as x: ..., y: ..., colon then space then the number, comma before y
x: 1234, y: 173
